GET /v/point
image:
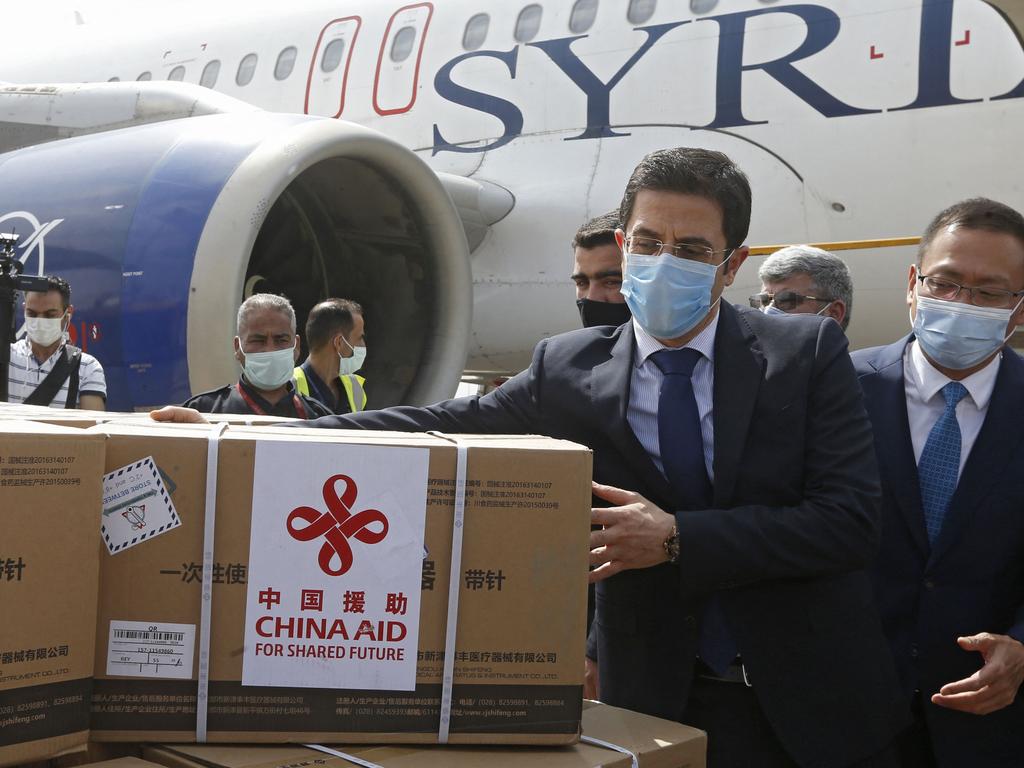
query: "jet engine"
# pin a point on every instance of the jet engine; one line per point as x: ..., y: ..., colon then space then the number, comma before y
x: 162, y: 229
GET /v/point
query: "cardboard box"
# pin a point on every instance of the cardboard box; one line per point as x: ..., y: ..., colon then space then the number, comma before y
x: 122, y: 762
x: 49, y: 570
x: 287, y: 634
x: 657, y: 743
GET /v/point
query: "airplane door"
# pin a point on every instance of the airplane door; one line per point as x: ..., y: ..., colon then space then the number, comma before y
x: 328, y: 69
x: 398, y: 64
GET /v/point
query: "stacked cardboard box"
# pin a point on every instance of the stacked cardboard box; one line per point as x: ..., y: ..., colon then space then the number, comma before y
x: 329, y: 587
x: 656, y: 743
x: 49, y: 562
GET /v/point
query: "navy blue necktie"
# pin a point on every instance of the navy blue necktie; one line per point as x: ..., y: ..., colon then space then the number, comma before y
x: 939, y: 466
x: 682, y: 456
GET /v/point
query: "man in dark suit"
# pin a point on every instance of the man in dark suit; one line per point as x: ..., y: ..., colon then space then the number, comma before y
x: 947, y: 403
x: 752, y: 432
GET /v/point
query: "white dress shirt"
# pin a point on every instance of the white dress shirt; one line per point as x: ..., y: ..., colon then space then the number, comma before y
x: 645, y: 388
x: 923, y: 384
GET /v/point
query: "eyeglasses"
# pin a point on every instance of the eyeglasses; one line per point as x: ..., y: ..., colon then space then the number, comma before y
x: 983, y: 296
x: 648, y: 246
x: 787, y: 301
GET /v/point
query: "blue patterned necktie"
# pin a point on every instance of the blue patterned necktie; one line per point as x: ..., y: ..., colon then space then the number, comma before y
x: 682, y: 455
x: 939, y: 466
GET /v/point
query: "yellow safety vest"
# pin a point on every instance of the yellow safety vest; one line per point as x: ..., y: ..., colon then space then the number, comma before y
x: 353, y: 384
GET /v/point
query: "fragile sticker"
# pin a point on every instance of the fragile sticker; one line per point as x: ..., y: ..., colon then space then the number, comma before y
x: 151, y: 649
x: 136, y: 506
x: 335, y: 566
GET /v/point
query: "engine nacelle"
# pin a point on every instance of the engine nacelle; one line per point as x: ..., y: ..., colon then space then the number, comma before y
x: 163, y: 229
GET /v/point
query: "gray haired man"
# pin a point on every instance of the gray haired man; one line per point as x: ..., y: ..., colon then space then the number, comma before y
x: 802, y: 279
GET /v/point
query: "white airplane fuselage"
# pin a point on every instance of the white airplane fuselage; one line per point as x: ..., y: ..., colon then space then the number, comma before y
x: 854, y: 119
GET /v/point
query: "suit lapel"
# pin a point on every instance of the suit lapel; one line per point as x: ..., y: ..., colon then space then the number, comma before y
x: 1000, y: 434
x: 609, y: 392
x: 887, y: 404
x: 739, y: 368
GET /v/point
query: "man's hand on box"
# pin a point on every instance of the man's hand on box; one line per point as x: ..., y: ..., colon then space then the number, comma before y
x: 992, y: 687
x: 633, y: 535
x: 178, y: 415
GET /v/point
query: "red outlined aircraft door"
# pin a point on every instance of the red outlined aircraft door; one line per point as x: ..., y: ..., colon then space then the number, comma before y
x: 398, y: 64
x: 328, y: 69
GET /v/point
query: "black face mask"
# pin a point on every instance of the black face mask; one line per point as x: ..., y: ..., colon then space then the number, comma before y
x: 594, y: 313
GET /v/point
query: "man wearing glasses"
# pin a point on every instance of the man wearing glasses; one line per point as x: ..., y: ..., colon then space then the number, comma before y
x: 947, y: 403
x: 802, y: 279
x: 736, y: 489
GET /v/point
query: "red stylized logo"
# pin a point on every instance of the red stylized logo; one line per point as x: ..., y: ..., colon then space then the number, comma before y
x: 337, y: 525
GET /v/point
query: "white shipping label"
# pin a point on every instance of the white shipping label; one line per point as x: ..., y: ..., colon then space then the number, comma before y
x: 151, y: 649
x: 335, y: 566
x: 136, y: 506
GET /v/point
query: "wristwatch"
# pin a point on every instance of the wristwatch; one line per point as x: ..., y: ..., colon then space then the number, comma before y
x: 671, y: 545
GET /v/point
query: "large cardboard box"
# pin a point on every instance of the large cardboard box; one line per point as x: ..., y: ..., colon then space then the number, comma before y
x: 49, y: 570
x: 321, y: 583
x: 656, y: 743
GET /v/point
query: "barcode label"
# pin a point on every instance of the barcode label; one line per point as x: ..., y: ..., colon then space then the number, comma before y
x: 150, y: 649
x: 140, y: 634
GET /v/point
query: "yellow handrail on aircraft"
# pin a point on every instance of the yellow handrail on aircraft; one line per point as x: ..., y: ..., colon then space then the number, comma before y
x: 845, y: 245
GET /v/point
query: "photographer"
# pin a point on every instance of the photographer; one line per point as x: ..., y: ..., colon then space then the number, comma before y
x: 44, y: 368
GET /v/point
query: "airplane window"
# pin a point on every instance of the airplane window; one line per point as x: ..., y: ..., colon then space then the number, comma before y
x: 640, y: 10
x: 476, y: 31
x: 246, y: 69
x: 583, y: 14
x: 114, y: 80
x: 702, y: 6
x: 145, y: 76
x: 210, y: 72
x: 401, y: 46
x: 333, y: 54
x: 528, y: 23
x: 178, y: 73
x: 285, y: 63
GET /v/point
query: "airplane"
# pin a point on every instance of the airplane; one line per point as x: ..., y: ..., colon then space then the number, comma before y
x: 433, y: 159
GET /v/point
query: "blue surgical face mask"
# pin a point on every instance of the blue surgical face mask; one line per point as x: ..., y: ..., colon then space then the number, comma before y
x: 351, y: 364
x: 269, y: 370
x: 771, y: 309
x: 959, y: 336
x: 667, y: 295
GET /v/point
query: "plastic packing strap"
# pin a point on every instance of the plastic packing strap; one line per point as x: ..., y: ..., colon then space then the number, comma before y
x: 608, y: 745
x: 454, y: 582
x: 209, y: 524
x: 343, y: 755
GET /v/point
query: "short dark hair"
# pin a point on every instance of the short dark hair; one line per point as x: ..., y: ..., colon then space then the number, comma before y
x: 597, y: 232
x: 59, y: 284
x: 329, y: 318
x: 975, y: 213
x: 693, y: 171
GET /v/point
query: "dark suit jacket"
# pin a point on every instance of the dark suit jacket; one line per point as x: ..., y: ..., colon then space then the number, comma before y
x: 794, y: 524
x: 973, y: 579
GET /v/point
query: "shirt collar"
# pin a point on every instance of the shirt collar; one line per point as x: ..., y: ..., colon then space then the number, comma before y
x: 703, y: 342
x: 24, y: 346
x: 929, y: 381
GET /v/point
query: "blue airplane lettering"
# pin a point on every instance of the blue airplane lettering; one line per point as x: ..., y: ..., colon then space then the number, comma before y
x: 934, y: 57
x: 509, y: 114
x: 598, y: 93
x: 823, y: 27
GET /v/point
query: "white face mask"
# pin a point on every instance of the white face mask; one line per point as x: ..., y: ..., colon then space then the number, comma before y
x: 349, y: 365
x: 44, y: 331
x: 269, y: 370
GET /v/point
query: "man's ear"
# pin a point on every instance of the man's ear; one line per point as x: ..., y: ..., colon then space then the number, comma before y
x: 239, y: 355
x: 837, y: 311
x: 734, y: 264
x: 297, y: 349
